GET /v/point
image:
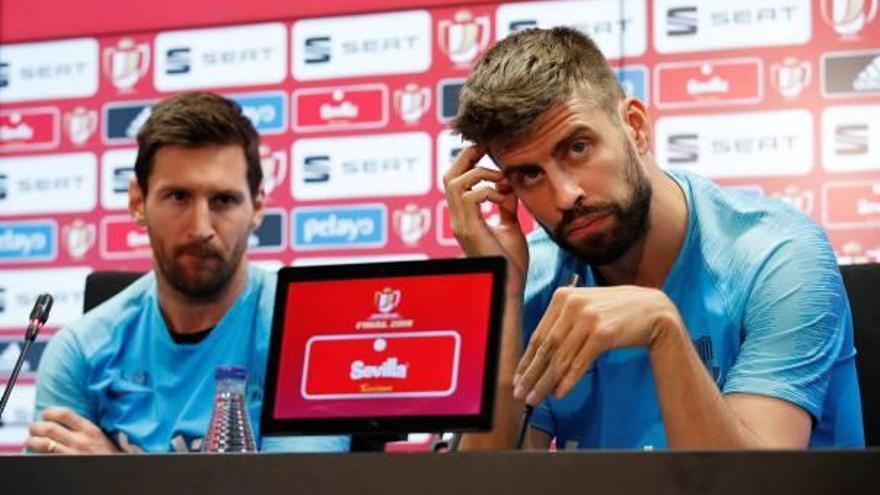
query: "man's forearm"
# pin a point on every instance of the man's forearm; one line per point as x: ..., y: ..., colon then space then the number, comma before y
x: 507, y: 409
x: 695, y: 413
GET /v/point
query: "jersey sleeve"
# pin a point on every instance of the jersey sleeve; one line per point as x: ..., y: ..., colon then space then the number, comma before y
x: 794, y: 325
x: 305, y: 444
x: 62, y: 377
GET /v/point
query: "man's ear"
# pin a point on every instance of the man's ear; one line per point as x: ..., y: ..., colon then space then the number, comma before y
x: 259, y: 209
x: 635, y: 120
x: 136, y: 202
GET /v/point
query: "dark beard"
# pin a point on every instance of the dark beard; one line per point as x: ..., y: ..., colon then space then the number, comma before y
x: 631, y: 221
x: 210, y: 284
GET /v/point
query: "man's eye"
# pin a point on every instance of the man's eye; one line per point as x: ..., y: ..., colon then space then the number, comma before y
x: 579, y: 148
x: 528, y: 177
x: 225, y: 200
x: 177, y: 196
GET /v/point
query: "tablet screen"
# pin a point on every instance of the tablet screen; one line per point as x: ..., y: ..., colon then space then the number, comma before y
x: 384, y: 347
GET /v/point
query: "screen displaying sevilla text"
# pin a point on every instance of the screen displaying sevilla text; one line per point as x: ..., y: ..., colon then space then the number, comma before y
x: 384, y: 347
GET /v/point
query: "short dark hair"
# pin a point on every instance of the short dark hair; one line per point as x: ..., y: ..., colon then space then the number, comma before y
x: 524, y: 75
x: 194, y: 120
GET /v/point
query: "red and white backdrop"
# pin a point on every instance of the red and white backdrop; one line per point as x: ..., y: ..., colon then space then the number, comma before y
x: 774, y: 97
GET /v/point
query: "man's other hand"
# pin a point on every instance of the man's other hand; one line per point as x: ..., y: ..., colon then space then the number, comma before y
x: 62, y: 431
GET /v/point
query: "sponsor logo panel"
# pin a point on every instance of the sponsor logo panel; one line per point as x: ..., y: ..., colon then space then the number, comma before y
x: 122, y: 238
x: 20, y: 288
x: 855, y: 245
x: 633, y: 80
x: 449, y: 145
x: 362, y: 45
x: 49, y: 70
x: 274, y: 165
x: 850, y: 137
x: 362, y: 166
x: 61, y: 183
x: 800, y: 199
x: 29, y: 129
x: 851, y: 204
x: 616, y: 35
x: 266, y: 111
x: 80, y: 124
x: 695, y: 26
x: 412, y: 102
x: 411, y: 223
x: 463, y: 37
x: 270, y: 235
x: 117, y: 169
x: 708, y: 83
x: 752, y: 144
x: 848, y: 18
x: 340, y: 227
x: 125, y: 63
x: 217, y: 57
x: 78, y: 238
x: 791, y: 76
x: 851, y: 74
x: 490, y: 213
x: 122, y: 121
x: 35, y: 240
x: 448, y: 91
x: 9, y: 351
x: 341, y: 107
x: 19, y: 414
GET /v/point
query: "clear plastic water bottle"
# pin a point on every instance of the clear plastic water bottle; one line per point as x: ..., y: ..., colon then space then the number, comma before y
x: 230, y: 427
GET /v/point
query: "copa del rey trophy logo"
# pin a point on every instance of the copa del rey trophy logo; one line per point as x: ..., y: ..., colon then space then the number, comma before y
x: 386, y: 300
x: 790, y: 76
x: 80, y: 124
x: 411, y: 223
x: 412, y: 102
x: 79, y: 237
x: 802, y: 200
x: 463, y: 37
x: 274, y: 165
x: 848, y: 17
x: 126, y: 63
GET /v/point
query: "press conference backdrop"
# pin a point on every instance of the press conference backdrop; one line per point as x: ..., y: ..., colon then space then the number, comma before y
x: 772, y: 97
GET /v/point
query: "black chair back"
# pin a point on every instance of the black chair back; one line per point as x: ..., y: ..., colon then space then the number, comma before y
x: 101, y: 286
x: 863, y: 288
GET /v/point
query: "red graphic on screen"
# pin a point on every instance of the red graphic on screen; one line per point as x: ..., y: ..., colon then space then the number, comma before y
x: 398, y: 346
x: 419, y: 364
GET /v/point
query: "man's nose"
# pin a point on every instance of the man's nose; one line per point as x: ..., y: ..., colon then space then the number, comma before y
x: 567, y: 192
x: 200, y: 226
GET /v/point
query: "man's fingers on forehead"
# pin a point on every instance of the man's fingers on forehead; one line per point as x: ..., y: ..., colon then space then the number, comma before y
x: 466, y: 159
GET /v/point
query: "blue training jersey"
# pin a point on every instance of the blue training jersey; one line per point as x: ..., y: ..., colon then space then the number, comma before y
x: 119, y: 367
x: 758, y: 287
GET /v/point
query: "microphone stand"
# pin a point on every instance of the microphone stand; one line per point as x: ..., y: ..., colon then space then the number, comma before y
x: 39, y: 315
x: 14, y: 376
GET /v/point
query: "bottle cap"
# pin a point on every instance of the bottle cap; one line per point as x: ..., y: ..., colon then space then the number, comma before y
x: 228, y: 371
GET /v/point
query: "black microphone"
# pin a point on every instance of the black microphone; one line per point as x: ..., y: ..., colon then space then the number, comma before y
x: 39, y: 315
x: 38, y: 318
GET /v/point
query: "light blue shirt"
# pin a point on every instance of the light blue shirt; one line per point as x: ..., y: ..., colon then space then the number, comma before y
x: 761, y: 295
x: 119, y: 367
